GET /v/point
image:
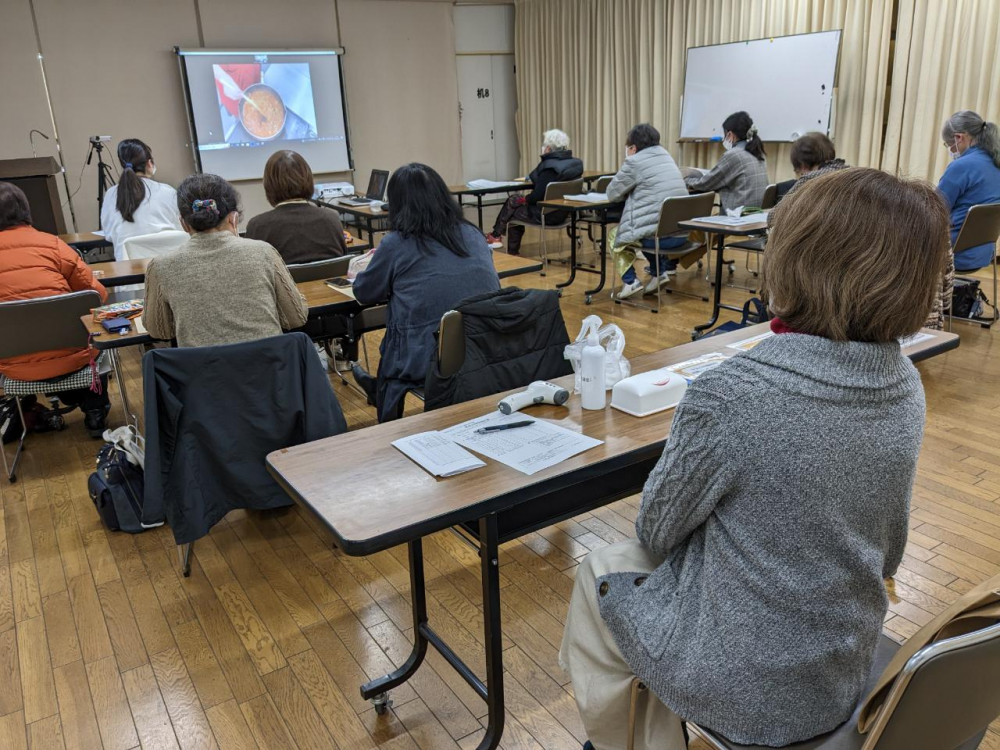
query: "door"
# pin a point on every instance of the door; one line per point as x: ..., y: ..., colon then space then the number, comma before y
x: 504, y: 96
x: 475, y: 101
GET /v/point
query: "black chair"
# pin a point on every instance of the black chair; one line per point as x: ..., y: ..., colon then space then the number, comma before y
x: 321, y: 269
x: 943, y: 699
x: 981, y: 226
x: 39, y: 325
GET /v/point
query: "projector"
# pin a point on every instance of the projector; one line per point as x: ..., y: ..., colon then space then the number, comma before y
x: 332, y: 190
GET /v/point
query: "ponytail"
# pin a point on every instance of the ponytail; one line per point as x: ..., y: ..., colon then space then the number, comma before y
x: 134, y: 155
x: 741, y: 125
x: 983, y: 134
x: 989, y: 141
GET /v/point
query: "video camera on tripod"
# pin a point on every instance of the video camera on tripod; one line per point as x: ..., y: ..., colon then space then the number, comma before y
x: 105, y: 177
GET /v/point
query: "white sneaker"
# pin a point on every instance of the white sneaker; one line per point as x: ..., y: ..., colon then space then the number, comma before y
x: 656, y: 282
x: 630, y: 290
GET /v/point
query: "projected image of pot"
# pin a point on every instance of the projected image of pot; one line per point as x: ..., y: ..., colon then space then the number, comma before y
x: 263, y: 116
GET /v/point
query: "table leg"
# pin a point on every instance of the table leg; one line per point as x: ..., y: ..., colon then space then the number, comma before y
x: 717, y: 292
x: 604, y: 264
x: 371, y: 230
x: 479, y: 209
x: 123, y: 389
x: 572, y: 252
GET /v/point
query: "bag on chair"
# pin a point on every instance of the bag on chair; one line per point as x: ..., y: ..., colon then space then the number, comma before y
x: 116, y: 487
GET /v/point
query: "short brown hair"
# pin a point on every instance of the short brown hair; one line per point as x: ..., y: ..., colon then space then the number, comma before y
x: 857, y: 255
x: 14, y: 208
x: 812, y: 150
x: 287, y: 176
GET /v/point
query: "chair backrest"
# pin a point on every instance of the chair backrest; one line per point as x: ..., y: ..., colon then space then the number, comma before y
x: 770, y: 199
x: 601, y: 186
x: 947, y: 693
x: 153, y: 245
x: 451, y: 344
x: 683, y: 208
x: 45, y: 323
x: 556, y: 190
x: 320, y: 269
x: 981, y: 225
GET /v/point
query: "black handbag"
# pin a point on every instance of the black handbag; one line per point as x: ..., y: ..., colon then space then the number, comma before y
x: 116, y: 488
x: 967, y: 298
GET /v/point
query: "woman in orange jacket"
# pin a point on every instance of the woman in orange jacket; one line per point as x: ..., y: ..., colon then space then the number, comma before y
x: 35, y: 264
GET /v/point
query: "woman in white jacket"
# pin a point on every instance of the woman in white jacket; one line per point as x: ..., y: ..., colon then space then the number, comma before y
x: 647, y: 177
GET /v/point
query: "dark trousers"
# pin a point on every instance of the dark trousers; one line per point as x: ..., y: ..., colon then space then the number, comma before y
x: 511, y: 212
x: 85, y: 398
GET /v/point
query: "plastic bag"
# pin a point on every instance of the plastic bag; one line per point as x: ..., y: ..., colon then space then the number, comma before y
x: 616, y: 367
x: 359, y: 264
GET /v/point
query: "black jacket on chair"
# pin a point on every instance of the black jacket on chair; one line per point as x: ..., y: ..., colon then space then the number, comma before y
x: 212, y: 415
x: 555, y: 166
x: 512, y: 338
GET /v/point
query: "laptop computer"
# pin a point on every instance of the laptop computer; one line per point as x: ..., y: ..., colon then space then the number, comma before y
x: 376, y: 189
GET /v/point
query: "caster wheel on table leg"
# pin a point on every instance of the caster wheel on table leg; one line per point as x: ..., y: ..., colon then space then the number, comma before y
x: 382, y: 703
x: 700, y: 265
x: 588, y: 300
x: 12, y: 479
x: 732, y: 268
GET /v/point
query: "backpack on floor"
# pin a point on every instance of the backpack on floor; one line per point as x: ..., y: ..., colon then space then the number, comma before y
x: 116, y: 487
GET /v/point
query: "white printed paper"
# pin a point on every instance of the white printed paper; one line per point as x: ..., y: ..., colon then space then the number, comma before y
x: 436, y: 454
x: 589, y: 197
x: 917, y: 338
x: 527, y: 449
x: 692, y: 368
x: 748, y: 344
x: 733, y: 221
x: 485, y: 184
x: 347, y: 291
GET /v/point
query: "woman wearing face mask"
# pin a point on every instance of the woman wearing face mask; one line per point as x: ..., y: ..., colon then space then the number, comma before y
x: 740, y: 177
x: 137, y: 204
x: 557, y: 165
x: 972, y: 178
x: 218, y: 288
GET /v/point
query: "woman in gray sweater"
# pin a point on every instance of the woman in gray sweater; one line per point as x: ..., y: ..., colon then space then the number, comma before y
x: 753, y: 598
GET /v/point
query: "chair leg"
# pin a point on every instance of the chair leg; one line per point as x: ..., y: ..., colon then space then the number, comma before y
x: 184, y: 552
x: 11, y: 472
x: 633, y: 706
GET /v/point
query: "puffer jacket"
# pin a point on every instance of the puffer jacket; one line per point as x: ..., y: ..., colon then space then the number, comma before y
x: 647, y: 179
x: 35, y: 264
x: 555, y: 166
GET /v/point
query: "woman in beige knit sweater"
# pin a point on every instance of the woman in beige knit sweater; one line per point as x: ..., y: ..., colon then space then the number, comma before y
x: 218, y: 288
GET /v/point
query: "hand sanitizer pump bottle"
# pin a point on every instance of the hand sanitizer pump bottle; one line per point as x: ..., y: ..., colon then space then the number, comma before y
x: 592, y: 391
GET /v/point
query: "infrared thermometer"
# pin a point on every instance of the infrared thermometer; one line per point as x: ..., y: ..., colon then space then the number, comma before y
x: 539, y: 392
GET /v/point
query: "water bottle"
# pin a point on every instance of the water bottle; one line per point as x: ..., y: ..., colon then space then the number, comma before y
x: 592, y: 391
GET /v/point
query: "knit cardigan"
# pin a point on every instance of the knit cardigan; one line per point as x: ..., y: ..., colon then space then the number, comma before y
x: 779, y: 506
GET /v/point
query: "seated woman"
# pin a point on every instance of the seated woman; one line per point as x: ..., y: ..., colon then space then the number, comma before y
x: 300, y: 231
x: 218, y: 288
x: 813, y: 154
x: 35, y: 264
x: 972, y: 178
x: 646, y: 178
x: 138, y: 204
x: 557, y: 165
x: 740, y: 177
x: 431, y: 260
x: 752, y: 600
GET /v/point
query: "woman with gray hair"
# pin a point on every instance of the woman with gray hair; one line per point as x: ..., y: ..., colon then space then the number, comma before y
x: 557, y: 165
x: 972, y: 178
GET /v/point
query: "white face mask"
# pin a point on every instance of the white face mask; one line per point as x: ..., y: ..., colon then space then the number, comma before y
x: 727, y: 144
x: 153, y: 170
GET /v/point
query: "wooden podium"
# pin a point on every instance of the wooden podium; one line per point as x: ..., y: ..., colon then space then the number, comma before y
x: 37, y: 178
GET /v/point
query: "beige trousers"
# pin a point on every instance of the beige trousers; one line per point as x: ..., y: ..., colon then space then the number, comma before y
x: 602, y: 680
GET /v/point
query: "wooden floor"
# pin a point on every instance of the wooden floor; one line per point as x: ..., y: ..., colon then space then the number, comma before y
x: 104, y: 644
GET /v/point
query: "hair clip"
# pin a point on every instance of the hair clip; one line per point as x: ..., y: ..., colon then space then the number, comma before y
x: 128, y: 165
x: 208, y: 204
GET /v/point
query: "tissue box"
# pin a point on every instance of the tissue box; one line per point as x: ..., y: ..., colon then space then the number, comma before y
x: 648, y: 392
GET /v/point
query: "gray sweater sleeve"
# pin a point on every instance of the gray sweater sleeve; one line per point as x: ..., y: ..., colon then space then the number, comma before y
x: 690, y: 479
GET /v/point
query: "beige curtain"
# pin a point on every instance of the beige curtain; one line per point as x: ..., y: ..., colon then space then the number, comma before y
x: 594, y: 68
x: 947, y: 59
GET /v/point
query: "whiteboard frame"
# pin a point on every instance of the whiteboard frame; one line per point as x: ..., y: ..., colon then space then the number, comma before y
x: 834, y: 87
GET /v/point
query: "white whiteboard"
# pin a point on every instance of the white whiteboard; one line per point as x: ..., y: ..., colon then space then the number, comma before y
x: 784, y: 83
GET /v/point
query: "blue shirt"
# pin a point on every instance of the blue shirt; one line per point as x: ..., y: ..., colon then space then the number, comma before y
x: 970, y: 180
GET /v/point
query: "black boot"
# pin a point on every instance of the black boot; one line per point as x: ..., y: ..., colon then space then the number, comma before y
x: 95, y: 420
x: 366, y: 382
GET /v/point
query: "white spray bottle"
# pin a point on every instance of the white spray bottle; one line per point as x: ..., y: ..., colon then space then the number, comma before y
x: 593, y: 394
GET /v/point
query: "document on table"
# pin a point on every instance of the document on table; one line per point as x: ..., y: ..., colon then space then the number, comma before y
x: 484, y: 184
x: 747, y: 344
x: 732, y: 221
x: 347, y: 291
x: 527, y: 449
x: 917, y: 338
x: 692, y: 368
x: 437, y: 454
x: 589, y: 197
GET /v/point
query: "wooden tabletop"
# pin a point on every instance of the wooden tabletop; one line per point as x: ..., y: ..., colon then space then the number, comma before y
x: 83, y: 238
x: 712, y: 228
x: 386, y: 499
x: 466, y: 190
x: 593, y: 174
x: 575, y: 206
x: 365, y: 210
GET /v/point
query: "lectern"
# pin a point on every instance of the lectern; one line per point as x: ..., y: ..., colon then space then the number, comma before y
x: 37, y: 178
